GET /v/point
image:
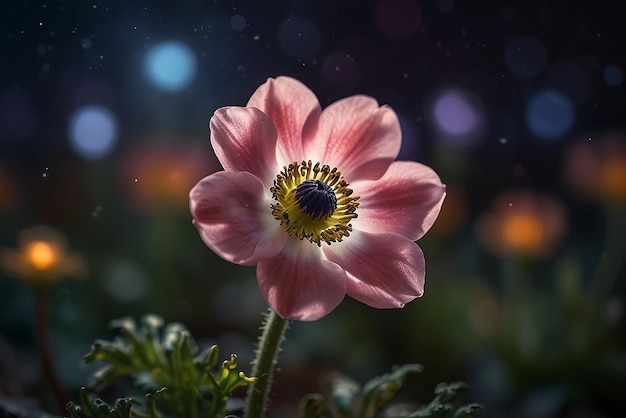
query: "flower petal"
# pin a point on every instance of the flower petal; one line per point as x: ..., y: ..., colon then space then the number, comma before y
x: 233, y: 218
x: 405, y: 201
x: 244, y: 139
x: 300, y: 283
x: 290, y: 105
x: 358, y: 137
x: 384, y: 270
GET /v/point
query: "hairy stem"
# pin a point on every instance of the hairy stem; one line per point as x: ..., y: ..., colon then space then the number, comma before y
x: 263, y: 366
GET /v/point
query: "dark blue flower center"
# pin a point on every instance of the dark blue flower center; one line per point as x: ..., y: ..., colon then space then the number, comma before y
x: 316, y: 198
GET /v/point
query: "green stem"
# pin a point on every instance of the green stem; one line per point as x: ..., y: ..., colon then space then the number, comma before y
x: 263, y: 366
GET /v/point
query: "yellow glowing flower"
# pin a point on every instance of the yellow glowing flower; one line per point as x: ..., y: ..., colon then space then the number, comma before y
x: 41, y: 258
x: 522, y: 223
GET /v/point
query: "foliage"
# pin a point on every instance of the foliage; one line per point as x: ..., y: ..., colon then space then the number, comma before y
x: 349, y: 400
x: 165, y: 362
x: 181, y: 382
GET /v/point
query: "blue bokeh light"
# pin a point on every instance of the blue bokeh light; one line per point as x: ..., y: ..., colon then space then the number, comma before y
x: 550, y: 114
x: 93, y: 132
x: 170, y: 66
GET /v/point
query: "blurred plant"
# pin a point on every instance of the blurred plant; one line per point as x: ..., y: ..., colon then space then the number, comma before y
x: 42, y: 261
x: 166, y: 362
x: 595, y: 170
x: 42, y: 258
x: 557, y: 331
x: 373, y: 400
x: 522, y: 223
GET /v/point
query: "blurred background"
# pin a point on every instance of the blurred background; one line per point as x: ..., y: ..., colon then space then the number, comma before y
x: 104, y: 108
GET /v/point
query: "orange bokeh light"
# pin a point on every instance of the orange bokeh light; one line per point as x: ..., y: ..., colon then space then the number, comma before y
x: 41, y: 255
x: 158, y: 174
x: 523, y: 223
x: 522, y: 231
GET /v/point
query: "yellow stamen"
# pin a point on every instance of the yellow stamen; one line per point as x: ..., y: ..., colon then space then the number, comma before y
x: 307, y: 223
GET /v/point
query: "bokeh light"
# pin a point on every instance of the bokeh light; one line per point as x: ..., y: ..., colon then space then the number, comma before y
x: 170, y: 66
x: 523, y: 223
x: 238, y: 22
x: 40, y: 254
x: 526, y: 56
x: 459, y: 117
x: 93, y: 132
x: 41, y: 257
x: 300, y: 38
x: 549, y: 114
x: 613, y: 75
x: 157, y: 175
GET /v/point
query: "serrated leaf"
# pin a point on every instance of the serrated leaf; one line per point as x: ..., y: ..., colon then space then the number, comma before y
x: 167, y: 359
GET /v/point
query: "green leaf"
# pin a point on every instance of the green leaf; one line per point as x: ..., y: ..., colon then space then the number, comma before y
x: 160, y: 357
x: 441, y: 405
x: 97, y: 408
x: 378, y: 392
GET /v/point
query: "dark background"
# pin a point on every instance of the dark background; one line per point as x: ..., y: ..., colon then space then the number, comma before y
x: 542, y: 353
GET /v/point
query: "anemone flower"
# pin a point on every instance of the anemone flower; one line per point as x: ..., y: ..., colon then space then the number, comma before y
x: 316, y: 201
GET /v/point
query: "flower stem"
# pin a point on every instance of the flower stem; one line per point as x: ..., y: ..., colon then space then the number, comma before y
x: 43, y: 347
x: 263, y: 367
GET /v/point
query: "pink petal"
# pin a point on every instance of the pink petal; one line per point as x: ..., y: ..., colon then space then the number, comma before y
x: 290, y: 105
x: 384, y: 270
x: 300, y: 283
x: 233, y: 219
x: 244, y: 139
x: 405, y: 201
x: 358, y: 137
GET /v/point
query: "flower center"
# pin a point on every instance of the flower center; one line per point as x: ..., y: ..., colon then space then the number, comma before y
x: 313, y: 202
x: 316, y: 198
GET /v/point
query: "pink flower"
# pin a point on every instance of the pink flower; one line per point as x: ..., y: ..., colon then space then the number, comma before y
x: 314, y: 199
